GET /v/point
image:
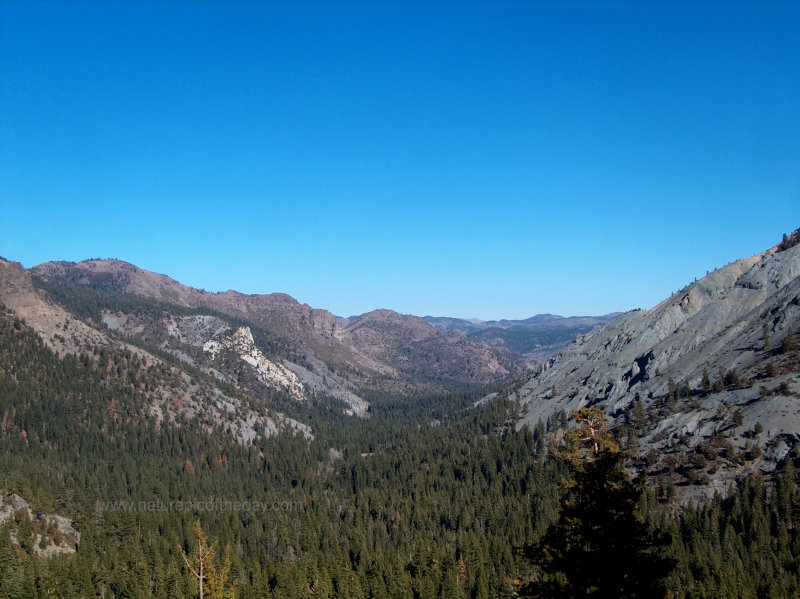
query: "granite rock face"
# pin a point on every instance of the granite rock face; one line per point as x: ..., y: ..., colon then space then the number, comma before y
x: 710, y: 356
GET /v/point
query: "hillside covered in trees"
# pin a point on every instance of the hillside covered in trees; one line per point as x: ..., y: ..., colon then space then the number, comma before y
x: 427, y: 498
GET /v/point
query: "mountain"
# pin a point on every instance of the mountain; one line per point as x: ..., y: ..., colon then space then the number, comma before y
x: 301, y: 351
x: 537, y: 337
x: 410, y: 344
x: 712, y: 371
x: 172, y: 386
x: 126, y: 418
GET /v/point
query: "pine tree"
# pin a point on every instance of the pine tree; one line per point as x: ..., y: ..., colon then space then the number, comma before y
x: 600, y: 546
x: 211, y: 582
x: 788, y: 342
x: 706, y: 381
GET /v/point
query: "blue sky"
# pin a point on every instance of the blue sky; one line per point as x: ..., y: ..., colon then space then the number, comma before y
x: 473, y: 159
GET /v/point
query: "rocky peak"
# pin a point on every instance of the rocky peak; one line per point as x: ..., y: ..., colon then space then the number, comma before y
x: 14, y: 281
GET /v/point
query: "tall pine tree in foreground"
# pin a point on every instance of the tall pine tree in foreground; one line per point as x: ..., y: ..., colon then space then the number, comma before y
x: 600, y: 546
x: 211, y: 579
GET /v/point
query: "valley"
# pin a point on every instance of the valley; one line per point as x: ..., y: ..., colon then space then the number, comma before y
x: 396, y: 456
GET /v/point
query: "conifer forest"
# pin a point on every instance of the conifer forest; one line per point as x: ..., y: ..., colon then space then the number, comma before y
x: 429, y: 497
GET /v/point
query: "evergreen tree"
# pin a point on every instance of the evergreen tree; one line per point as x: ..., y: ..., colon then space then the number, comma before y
x: 706, y: 381
x: 211, y: 581
x: 11, y: 578
x: 788, y: 342
x: 600, y: 545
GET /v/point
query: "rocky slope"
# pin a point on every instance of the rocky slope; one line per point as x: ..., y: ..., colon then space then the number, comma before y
x: 176, y: 392
x: 712, y: 371
x: 410, y: 344
x: 380, y: 351
x: 44, y: 534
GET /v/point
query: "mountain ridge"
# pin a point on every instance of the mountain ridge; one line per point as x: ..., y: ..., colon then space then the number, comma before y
x: 174, y: 393
x: 711, y: 364
x: 381, y: 350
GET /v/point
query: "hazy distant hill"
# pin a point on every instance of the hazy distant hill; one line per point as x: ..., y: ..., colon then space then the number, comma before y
x: 538, y: 337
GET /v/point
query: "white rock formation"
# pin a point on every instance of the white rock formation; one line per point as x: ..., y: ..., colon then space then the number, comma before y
x: 241, y: 342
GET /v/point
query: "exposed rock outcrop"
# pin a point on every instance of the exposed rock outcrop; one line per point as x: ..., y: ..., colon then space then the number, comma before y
x: 712, y: 350
x: 242, y: 344
x: 47, y: 534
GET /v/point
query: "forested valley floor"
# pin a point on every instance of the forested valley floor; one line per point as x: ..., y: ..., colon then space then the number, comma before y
x: 427, y: 498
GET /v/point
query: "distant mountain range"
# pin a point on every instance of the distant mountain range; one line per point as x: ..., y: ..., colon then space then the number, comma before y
x: 537, y: 337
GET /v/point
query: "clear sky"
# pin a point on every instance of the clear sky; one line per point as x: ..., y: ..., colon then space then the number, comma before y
x: 472, y: 159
